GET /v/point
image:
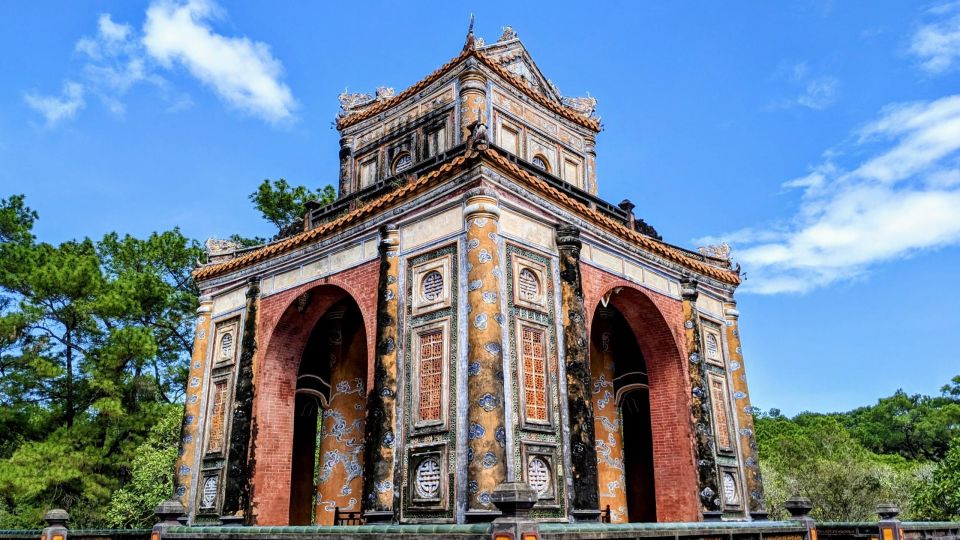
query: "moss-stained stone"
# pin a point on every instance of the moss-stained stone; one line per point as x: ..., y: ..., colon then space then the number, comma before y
x: 583, y: 454
x: 241, y: 461
x: 379, y: 489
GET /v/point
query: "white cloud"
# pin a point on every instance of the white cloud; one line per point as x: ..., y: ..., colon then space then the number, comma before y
x: 57, y: 108
x: 118, y: 58
x: 241, y: 71
x: 937, y: 43
x: 816, y: 92
x: 903, y: 198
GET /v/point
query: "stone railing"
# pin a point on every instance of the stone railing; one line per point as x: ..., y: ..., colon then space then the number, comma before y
x: 514, y: 502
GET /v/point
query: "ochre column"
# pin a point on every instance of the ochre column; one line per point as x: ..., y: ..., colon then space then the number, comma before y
x: 486, y: 457
x: 190, y: 438
x: 583, y: 453
x: 744, y: 411
x: 590, y: 146
x: 240, y: 461
x: 473, y: 97
x: 378, y: 489
x: 699, y: 406
x: 611, y: 479
x: 340, y: 474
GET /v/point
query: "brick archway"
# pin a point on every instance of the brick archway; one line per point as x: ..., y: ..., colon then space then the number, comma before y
x: 285, y: 325
x: 656, y: 322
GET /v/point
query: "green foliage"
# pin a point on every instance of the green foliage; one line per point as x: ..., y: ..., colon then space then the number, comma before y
x: 151, y: 475
x: 94, y: 340
x: 283, y: 204
x: 847, y: 463
x: 938, y: 496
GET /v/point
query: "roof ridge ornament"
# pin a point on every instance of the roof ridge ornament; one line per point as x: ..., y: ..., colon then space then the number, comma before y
x: 471, y: 43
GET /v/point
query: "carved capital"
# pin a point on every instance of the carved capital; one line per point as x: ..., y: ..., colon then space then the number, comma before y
x: 481, y: 202
x: 568, y: 237
x: 389, y: 238
x: 689, y: 289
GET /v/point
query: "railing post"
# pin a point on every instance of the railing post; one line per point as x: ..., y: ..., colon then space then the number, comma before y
x: 799, y: 508
x: 889, y: 525
x: 169, y: 513
x: 514, y: 501
x: 56, y: 528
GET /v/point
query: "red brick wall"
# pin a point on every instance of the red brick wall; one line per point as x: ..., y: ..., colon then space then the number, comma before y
x: 657, y: 321
x: 282, y: 333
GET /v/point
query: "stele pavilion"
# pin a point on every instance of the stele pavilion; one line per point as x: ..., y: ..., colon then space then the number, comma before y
x: 467, y: 313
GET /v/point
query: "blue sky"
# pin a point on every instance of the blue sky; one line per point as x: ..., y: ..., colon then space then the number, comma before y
x: 821, y: 139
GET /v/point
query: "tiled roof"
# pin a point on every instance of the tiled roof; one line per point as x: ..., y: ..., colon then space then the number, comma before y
x: 650, y: 244
x: 566, y: 112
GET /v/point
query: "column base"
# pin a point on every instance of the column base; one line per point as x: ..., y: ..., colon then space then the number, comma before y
x: 713, y: 515
x: 231, y: 521
x: 585, y: 515
x: 480, y: 516
x: 759, y: 515
x: 378, y: 516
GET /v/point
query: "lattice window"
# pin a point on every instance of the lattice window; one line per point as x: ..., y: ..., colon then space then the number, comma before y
x: 529, y: 286
x: 431, y: 375
x: 534, y: 373
x: 403, y: 163
x: 226, y: 346
x: 218, y: 417
x: 712, y: 346
x: 538, y: 476
x: 730, y: 493
x: 432, y: 286
x: 719, y: 398
x: 427, y: 478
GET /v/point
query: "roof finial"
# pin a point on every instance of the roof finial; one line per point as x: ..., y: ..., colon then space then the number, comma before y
x: 470, y: 43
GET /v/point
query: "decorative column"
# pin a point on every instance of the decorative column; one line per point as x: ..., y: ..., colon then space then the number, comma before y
x: 590, y: 146
x: 346, y: 159
x: 744, y: 413
x: 240, y: 460
x: 486, y: 455
x: 379, y: 503
x: 607, y: 418
x: 189, y: 436
x: 583, y: 451
x: 700, y: 406
x: 473, y: 97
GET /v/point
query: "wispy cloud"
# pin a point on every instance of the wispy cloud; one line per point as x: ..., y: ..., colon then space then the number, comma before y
x: 815, y: 92
x: 118, y: 58
x: 241, y: 71
x: 901, y: 199
x: 936, y: 43
x: 57, y: 108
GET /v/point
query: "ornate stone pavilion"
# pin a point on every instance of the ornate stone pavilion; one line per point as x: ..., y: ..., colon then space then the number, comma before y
x: 468, y: 313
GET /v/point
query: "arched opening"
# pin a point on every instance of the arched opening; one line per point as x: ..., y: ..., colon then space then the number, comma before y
x: 326, y: 469
x: 622, y: 426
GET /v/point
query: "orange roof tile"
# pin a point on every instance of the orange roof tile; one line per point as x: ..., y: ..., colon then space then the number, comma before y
x: 646, y: 242
x: 566, y: 112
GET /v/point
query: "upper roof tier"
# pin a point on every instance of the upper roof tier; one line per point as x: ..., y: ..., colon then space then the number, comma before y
x: 507, y: 57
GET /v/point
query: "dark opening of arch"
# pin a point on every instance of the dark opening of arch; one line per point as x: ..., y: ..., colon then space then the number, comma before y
x: 330, y: 389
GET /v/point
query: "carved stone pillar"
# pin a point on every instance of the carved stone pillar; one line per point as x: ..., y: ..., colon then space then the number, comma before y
x: 590, y: 147
x: 744, y: 413
x: 486, y: 452
x: 240, y: 460
x: 189, y: 434
x: 700, y: 406
x: 379, y: 503
x: 346, y: 159
x: 473, y: 97
x: 583, y: 452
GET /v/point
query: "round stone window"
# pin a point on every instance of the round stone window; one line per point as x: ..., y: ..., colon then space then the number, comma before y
x: 428, y: 478
x: 529, y: 285
x: 713, y: 348
x: 226, y: 346
x: 730, y: 495
x: 403, y: 163
x: 209, y: 496
x: 538, y: 475
x: 432, y: 286
x: 539, y: 162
